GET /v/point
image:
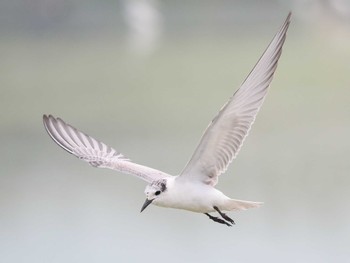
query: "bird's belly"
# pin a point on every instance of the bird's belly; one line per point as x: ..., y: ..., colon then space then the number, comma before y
x: 191, y: 204
x: 200, y: 200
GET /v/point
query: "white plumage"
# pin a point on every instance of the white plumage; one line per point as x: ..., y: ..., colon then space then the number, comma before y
x: 193, y: 189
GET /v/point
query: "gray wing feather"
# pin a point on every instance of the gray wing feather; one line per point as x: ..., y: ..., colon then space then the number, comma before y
x: 224, y: 136
x: 94, y: 152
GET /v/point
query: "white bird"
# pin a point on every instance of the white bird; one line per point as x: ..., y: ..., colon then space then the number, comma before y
x: 193, y: 189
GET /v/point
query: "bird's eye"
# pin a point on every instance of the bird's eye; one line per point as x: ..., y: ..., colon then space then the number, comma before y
x: 157, y: 193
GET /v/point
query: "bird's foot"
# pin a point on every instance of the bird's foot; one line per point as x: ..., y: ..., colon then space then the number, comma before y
x: 224, y: 216
x: 218, y: 220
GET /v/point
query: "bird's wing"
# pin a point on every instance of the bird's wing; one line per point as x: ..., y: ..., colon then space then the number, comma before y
x: 224, y: 136
x: 94, y: 152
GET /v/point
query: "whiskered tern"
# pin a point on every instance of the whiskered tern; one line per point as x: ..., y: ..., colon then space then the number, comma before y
x: 193, y: 189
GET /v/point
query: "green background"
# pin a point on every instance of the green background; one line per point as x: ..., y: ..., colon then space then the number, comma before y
x: 75, y: 60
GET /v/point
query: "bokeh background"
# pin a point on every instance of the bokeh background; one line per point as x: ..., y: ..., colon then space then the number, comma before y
x: 146, y: 77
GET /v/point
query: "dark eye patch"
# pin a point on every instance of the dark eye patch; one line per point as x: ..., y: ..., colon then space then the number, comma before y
x: 157, y: 193
x: 162, y: 185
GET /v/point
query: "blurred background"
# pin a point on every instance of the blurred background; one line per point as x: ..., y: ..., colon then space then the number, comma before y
x: 146, y: 77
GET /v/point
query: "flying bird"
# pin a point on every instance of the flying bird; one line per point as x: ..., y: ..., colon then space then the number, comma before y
x: 194, y: 188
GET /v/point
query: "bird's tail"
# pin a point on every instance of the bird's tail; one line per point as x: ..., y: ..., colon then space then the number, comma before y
x: 233, y: 204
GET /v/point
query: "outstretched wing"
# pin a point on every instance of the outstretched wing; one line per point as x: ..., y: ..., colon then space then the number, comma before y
x: 224, y: 137
x: 94, y: 152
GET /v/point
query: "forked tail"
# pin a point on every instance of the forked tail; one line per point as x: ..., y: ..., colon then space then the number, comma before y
x: 234, y: 204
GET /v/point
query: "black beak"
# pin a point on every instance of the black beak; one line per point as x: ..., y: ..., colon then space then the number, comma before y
x: 145, y: 204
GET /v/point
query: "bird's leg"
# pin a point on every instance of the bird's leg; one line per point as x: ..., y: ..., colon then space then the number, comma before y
x: 218, y: 220
x: 224, y: 216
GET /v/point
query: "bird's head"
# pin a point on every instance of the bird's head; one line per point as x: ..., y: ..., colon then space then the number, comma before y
x: 153, y: 191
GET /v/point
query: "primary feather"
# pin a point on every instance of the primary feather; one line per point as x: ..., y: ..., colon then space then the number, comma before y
x: 224, y: 136
x: 94, y: 152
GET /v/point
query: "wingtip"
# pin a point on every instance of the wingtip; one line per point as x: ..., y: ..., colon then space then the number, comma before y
x: 288, y: 19
x: 47, y: 117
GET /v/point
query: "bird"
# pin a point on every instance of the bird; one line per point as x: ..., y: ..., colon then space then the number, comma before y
x: 194, y: 188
